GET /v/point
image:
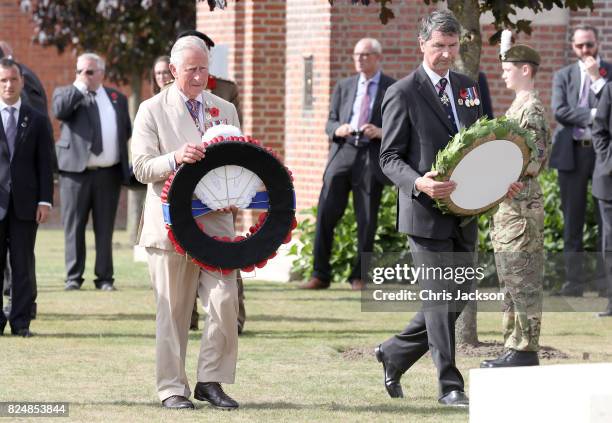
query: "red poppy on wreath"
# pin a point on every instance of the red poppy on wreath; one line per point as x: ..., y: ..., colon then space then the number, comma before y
x: 114, y: 97
x: 212, y: 83
x: 214, y: 112
x: 603, y: 72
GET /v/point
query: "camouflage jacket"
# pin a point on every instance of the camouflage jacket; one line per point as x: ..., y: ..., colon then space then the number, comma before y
x: 529, y: 112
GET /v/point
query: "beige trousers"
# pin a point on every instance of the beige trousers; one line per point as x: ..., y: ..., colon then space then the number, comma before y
x: 175, y: 281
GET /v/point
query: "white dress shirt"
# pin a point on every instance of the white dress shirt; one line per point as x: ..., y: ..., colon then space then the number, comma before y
x: 372, y: 90
x: 108, y: 121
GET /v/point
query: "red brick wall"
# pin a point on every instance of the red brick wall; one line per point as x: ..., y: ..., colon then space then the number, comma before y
x: 53, y: 69
x: 308, y: 34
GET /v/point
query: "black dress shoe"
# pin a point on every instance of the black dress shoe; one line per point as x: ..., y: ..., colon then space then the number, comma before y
x: 455, y: 399
x: 23, y: 332
x: 177, y: 402
x: 392, y: 375
x: 2, y: 326
x: 606, y: 313
x: 72, y: 286
x: 513, y: 358
x: 107, y: 286
x: 213, y: 393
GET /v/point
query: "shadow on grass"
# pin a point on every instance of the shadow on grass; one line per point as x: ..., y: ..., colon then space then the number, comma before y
x: 285, y: 318
x: 61, y: 335
x: 313, y: 334
x: 85, y: 316
x: 397, y: 408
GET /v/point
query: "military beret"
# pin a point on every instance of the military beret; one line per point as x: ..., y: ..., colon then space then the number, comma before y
x: 521, y: 53
x: 195, y: 33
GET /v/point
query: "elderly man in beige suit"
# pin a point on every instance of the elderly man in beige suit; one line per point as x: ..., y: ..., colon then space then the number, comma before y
x: 167, y: 132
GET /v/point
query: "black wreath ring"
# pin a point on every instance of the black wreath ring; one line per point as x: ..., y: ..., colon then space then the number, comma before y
x: 273, y: 228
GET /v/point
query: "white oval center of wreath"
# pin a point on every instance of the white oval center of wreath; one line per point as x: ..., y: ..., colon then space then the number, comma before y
x: 228, y: 186
x: 485, y: 173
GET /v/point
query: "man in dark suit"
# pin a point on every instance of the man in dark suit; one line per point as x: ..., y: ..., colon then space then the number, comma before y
x: 26, y: 192
x: 602, y: 182
x: 93, y: 161
x: 354, y: 129
x: 576, y: 89
x: 33, y: 94
x: 421, y: 113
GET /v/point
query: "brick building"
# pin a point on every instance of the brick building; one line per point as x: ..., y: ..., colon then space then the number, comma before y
x: 277, y: 49
x: 276, y: 46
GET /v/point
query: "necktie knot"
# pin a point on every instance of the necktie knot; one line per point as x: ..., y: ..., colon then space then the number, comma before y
x: 11, y: 111
x: 442, y: 84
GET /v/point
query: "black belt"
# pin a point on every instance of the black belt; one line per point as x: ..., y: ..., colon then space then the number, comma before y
x: 93, y: 168
x: 584, y: 143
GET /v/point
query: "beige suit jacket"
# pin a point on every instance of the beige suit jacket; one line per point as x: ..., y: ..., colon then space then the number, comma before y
x: 162, y: 125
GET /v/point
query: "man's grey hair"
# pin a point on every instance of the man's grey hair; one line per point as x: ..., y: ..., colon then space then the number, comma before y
x: 376, y: 46
x: 94, y: 57
x: 441, y: 20
x: 186, y: 43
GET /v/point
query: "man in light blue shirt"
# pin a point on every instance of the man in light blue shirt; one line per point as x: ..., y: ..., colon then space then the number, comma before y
x: 354, y: 128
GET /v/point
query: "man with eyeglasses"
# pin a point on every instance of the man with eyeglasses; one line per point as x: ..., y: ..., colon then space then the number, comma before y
x: 354, y: 128
x: 576, y: 92
x: 93, y: 162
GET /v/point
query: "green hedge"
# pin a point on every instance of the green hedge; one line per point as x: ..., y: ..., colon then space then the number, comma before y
x: 389, y: 240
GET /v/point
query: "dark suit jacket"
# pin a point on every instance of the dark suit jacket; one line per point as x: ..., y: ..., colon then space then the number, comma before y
x: 565, y: 93
x: 415, y: 128
x: 74, y: 144
x: 228, y: 90
x: 30, y: 166
x: 340, y: 111
x: 33, y: 92
x: 602, y: 126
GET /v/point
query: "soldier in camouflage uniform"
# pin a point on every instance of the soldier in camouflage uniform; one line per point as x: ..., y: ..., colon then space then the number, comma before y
x: 517, y: 227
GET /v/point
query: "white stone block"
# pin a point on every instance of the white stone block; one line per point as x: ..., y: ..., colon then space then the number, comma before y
x: 565, y: 393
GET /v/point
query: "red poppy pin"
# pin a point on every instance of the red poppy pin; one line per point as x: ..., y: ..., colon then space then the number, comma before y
x: 212, y: 83
x: 214, y: 112
x: 603, y: 72
x: 114, y: 97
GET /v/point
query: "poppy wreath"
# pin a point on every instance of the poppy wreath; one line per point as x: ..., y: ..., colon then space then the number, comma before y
x: 273, y: 228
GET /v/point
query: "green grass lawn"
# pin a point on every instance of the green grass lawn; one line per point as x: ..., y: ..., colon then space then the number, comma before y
x: 95, y: 350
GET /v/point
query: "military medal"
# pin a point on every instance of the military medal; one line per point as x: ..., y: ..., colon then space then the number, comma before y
x: 208, y: 116
x: 463, y: 97
x: 477, y: 102
x: 444, y: 99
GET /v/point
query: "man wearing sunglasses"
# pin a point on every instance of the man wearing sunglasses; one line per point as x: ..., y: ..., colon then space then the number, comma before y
x: 93, y: 161
x: 576, y: 91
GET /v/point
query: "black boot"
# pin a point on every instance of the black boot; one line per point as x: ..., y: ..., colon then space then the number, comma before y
x: 513, y: 358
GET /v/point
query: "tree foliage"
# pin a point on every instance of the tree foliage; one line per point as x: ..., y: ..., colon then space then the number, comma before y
x: 128, y: 33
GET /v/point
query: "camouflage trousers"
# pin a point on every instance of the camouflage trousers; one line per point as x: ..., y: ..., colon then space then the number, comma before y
x: 517, y: 236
